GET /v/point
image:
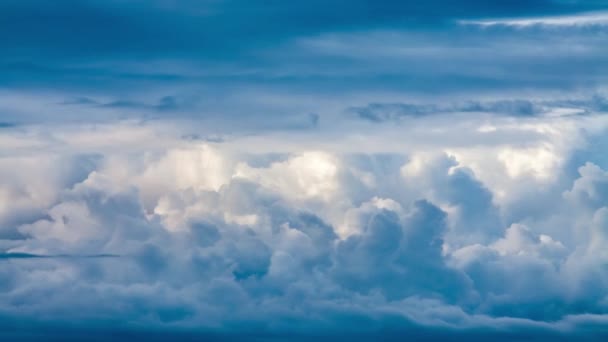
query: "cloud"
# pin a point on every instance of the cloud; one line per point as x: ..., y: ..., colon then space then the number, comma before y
x: 110, y: 28
x: 584, y: 19
x: 213, y: 54
x: 370, y: 170
x: 378, y: 112
x: 166, y: 103
x: 205, y: 239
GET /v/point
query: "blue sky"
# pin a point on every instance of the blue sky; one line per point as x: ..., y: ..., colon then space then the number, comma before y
x: 295, y: 170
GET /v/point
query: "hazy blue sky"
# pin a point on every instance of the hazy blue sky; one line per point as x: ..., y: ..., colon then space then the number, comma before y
x: 296, y: 170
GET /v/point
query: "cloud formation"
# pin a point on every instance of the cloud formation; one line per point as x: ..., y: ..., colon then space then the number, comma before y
x: 201, y: 238
x: 237, y: 169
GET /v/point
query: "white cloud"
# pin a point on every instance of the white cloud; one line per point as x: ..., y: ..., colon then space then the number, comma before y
x: 583, y: 19
x: 205, y: 234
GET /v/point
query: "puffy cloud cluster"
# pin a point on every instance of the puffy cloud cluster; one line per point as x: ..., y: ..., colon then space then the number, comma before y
x: 204, y: 237
x: 377, y: 169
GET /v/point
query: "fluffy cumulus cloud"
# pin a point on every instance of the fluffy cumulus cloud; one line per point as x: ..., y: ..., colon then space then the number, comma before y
x: 181, y: 170
x: 197, y: 237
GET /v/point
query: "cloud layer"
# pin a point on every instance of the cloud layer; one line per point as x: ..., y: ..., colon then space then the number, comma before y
x: 220, y: 238
x: 275, y: 170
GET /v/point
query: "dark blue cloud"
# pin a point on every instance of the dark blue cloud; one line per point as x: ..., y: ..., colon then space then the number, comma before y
x: 70, y: 29
x: 379, y: 112
x: 34, y: 256
x: 93, y: 46
x: 397, y: 330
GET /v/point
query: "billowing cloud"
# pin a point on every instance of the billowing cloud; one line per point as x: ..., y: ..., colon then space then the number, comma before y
x: 187, y: 170
x: 205, y: 238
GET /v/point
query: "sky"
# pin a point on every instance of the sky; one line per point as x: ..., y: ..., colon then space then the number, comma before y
x: 296, y: 170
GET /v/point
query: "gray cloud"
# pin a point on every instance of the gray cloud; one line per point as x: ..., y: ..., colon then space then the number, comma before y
x: 382, y: 112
